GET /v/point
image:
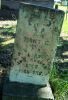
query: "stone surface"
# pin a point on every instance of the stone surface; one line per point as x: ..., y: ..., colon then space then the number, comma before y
x: 26, y: 91
x: 14, y: 4
x: 35, y: 44
x: 46, y: 92
x: 45, y: 3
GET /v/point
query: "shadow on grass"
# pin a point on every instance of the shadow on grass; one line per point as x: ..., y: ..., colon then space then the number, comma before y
x: 6, y: 34
x: 6, y: 47
x: 2, y: 40
x: 6, y: 52
x: 8, y: 14
x: 59, y: 74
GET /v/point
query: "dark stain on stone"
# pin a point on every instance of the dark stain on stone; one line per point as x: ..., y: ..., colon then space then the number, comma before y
x: 36, y: 66
x: 42, y: 36
x: 24, y: 59
x: 29, y: 22
x: 20, y: 61
x: 28, y: 72
x: 46, y: 42
x: 40, y: 73
x: 42, y: 30
x: 52, y: 16
x: 49, y: 23
x: 15, y: 59
x: 28, y: 55
x: 37, y: 24
x: 35, y: 27
x: 38, y: 49
x: 37, y: 72
x: 44, y: 66
x: 55, y: 29
x: 26, y: 65
x: 25, y: 71
x: 34, y: 72
x: 19, y: 53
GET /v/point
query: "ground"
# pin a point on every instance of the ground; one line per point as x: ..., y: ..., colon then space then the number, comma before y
x: 59, y: 74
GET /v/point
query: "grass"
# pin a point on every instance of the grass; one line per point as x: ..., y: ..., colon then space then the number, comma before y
x: 59, y: 85
x: 7, y: 33
x: 65, y: 25
x: 7, y: 42
x: 7, y: 30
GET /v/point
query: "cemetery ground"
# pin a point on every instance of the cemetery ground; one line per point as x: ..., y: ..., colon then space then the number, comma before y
x: 59, y: 74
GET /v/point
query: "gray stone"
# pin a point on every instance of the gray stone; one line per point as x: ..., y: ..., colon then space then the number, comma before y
x: 46, y: 92
x: 14, y: 4
x: 45, y: 3
x: 36, y: 40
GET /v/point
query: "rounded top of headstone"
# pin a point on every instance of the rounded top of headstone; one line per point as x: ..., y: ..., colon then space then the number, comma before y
x: 45, y: 3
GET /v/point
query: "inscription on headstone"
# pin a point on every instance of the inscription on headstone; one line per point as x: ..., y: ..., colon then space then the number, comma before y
x: 35, y: 44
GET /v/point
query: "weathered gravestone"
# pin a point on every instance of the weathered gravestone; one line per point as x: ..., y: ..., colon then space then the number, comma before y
x: 36, y: 40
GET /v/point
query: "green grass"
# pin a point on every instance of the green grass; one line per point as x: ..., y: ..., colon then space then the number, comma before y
x: 7, y: 30
x: 65, y: 26
x: 59, y: 85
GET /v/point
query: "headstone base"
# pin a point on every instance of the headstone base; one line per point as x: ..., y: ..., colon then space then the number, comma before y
x: 20, y: 91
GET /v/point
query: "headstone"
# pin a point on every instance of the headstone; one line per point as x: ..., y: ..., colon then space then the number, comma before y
x: 38, y: 29
x: 35, y: 46
x: 47, y: 3
x: 14, y: 4
x: 64, y: 2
